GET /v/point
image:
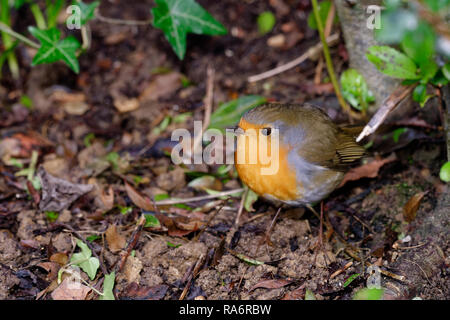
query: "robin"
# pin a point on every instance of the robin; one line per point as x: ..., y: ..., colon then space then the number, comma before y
x: 313, y: 153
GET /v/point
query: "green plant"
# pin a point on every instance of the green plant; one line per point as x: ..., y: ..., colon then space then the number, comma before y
x: 176, y: 18
x: 355, y: 90
x: 266, y: 21
x: 416, y: 57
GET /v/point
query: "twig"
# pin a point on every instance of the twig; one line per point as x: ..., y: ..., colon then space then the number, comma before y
x: 199, y: 198
x: 209, y: 99
x: 121, y: 21
x: 269, y: 230
x: 388, y: 105
x: 211, y: 216
x: 241, y: 207
x: 131, y: 244
x: 82, y: 238
x: 338, y: 272
x: 194, y: 273
x: 368, y: 264
x: 312, y: 52
x: 329, y: 63
x: 18, y: 36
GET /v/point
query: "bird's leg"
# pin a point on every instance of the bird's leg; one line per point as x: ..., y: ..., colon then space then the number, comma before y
x: 269, y: 230
x: 319, y: 245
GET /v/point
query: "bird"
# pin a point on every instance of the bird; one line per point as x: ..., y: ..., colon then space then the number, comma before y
x: 313, y: 152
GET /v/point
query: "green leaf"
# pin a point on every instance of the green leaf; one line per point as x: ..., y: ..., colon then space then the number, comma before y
x: 418, y: 44
x: 173, y: 245
x: 437, y: 5
x: 324, y: 9
x: 84, y: 260
x: 177, y: 18
x: 350, y: 279
x: 309, y: 295
x: 229, y: 114
x: 51, y: 215
x: 266, y: 21
x: 53, y: 10
x: 87, y: 10
x: 151, y: 221
x: 108, y: 286
x: 397, y: 133
x: 26, y: 101
x: 446, y: 71
x: 428, y: 70
x: 93, y: 237
x: 444, y: 174
x: 394, y: 24
x: 392, y: 62
x: 420, y: 94
x: 439, y: 78
x: 161, y: 196
x: 355, y: 89
x: 368, y: 294
x: 250, y: 200
x: 53, y: 49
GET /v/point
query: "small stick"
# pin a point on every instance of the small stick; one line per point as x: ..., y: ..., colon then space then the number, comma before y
x: 209, y: 100
x: 271, y: 225
x: 241, y: 207
x: 328, y: 26
x: 312, y: 52
x: 121, y: 21
x: 199, y: 198
x: 194, y: 273
x: 388, y: 105
x: 131, y: 244
x: 338, y: 272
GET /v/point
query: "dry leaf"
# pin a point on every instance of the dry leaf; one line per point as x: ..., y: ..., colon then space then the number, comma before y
x: 107, y: 198
x: 52, y: 268
x: 61, y: 258
x: 162, y: 85
x: 70, y: 290
x: 368, y: 170
x: 116, y: 241
x: 138, y: 199
x: 271, y: 284
x: 132, y: 269
x: 134, y: 292
x: 411, y: 207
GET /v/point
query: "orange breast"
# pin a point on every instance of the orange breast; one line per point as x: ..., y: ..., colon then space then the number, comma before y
x: 281, y: 185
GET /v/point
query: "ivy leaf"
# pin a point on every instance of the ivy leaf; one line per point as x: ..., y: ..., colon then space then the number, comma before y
x: 84, y: 260
x: 53, y: 49
x: 392, y: 62
x: 229, y: 113
x: 177, y: 18
x: 446, y: 71
x: 368, y: 294
x: 87, y: 10
x: 108, y: 285
x: 355, y: 89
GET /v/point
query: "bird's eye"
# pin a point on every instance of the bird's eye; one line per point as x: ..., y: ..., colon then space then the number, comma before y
x: 266, y: 131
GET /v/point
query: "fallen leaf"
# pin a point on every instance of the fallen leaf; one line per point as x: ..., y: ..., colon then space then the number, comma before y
x: 108, y: 198
x: 61, y: 258
x: 297, y: 294
x: 59, y: 194
x: 52, y: 268
x: 411, y: 207
x: 206, y: 182
x: 116, y: 241
x: 70, y: 290
x: 368, y: 170
x: 271, y: 284
x: 124, y: 105
x: 135, y: 292
x: 162, y: 85
x: 138, y: 199
x: 132, y: 269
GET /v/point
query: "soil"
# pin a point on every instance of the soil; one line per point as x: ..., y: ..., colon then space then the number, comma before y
x: 365, y: 219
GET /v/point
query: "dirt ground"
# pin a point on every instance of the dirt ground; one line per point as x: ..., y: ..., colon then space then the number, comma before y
x: 366, y: 220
